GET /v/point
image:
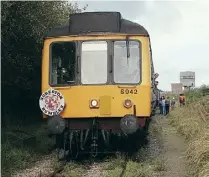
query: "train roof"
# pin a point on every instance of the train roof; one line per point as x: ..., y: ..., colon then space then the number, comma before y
x: 97, y: 22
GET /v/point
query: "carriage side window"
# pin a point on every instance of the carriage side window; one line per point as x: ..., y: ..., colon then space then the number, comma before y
x: 63, y: 58
x: 126, y: 69
x: 94, y: 62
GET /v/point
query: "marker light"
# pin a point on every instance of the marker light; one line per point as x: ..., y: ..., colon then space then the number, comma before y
x: 127, y: 103
x: 94, y: 103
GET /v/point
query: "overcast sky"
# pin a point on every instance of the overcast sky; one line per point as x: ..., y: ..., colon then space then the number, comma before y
x: 179, y: 33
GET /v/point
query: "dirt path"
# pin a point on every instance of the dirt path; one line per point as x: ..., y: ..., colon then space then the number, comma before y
x: 174, y: 147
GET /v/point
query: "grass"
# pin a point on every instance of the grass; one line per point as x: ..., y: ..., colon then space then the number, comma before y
x: 158, y: 164
x: 114, y: 167
x: 192, y: 121
x: 15, y: 157
x: 74, y: 170
x: 156, y: 128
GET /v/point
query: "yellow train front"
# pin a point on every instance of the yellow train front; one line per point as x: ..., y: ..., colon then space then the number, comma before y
x: 96, y: 82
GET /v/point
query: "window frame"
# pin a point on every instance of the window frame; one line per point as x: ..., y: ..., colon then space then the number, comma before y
x: 110, y: 63
x: 50, y: 65
x: 140, y: 62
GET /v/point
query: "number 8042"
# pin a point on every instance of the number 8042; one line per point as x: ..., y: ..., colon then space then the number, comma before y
x: 128, y: 91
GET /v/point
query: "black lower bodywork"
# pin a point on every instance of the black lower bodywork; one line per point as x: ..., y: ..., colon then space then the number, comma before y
x: 94, y: 140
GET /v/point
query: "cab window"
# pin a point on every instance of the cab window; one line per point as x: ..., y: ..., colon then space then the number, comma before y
x: 94, y: 62
x: 63, y: 59
x: 126, y: 69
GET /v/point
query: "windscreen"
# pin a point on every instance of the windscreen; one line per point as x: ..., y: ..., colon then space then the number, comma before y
x: 94, y: 62
x: 126, y: 67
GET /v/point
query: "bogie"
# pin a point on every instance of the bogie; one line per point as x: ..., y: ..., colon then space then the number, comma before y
x: 95, y: 141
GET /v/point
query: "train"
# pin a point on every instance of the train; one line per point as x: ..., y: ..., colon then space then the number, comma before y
x: 98, y: 87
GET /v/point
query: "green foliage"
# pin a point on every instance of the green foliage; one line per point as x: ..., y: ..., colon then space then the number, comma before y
x: 204, y: 90
x: 13, y: 158
x: 16, y: 157
x: 195, y: 94
x: 24, y: 25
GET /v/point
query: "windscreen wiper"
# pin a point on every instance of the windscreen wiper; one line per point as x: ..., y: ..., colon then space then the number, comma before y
x: 127, y: 48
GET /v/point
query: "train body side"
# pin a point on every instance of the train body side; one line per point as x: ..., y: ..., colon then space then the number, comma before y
x: 111, y: 97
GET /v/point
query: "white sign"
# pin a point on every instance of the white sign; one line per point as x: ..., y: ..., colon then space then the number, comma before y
x: 52, y: 102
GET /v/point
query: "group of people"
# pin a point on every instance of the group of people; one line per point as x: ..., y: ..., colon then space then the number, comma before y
x: 165, y: 104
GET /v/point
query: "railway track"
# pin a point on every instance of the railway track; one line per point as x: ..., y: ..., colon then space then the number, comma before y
x: 95, y: 169
x: 59, y: 170
x: 124, y: 166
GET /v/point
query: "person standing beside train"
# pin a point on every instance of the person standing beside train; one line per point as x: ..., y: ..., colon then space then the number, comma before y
x: 167, y: 105
x: 173, y: 103
x: 160, y: 106
x: 163, y: 106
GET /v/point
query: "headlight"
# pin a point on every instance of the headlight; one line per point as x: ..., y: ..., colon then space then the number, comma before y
x: 127, y: 103
x: 94, y: 103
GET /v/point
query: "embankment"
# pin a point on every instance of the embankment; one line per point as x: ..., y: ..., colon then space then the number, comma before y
x: 192, y: 122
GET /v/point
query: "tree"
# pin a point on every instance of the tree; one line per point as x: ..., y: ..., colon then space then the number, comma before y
x: 24, y: 25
